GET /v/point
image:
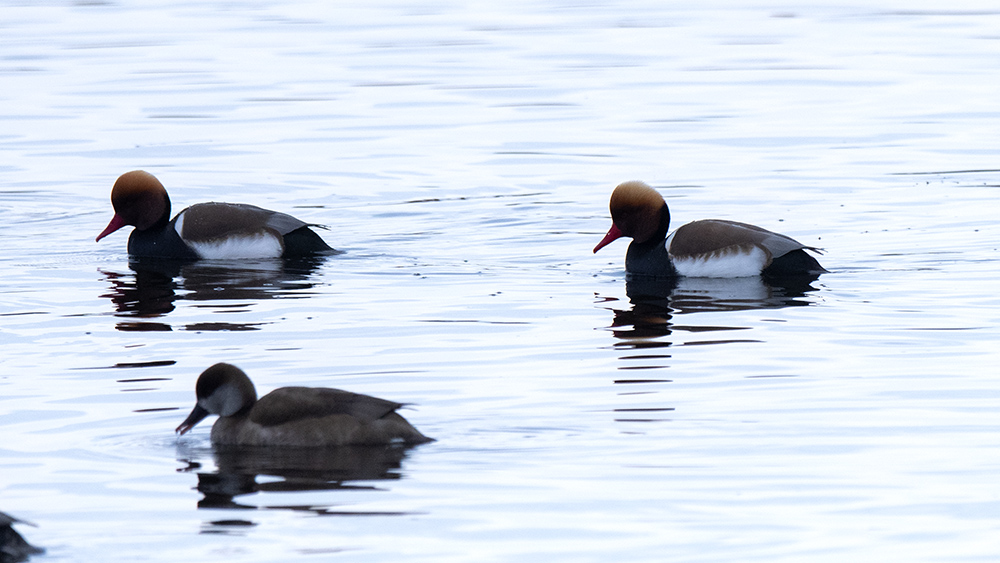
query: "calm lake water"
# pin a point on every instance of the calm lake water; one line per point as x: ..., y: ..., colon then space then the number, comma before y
x: 463, y: 157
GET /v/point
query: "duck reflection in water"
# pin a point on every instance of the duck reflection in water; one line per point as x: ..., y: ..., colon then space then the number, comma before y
x: 155, y: 285
x: 656, y: 300
x: 288, y: 470
x: 699, y: 295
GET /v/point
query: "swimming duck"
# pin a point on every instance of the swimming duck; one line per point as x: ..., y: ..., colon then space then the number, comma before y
x: 204, y: 230
x: 13, y: 547
x: 293, y: 416
x: 712, y: 248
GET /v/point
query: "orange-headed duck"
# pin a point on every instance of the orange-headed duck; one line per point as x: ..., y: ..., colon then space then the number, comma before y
x: 293, y: 416
x: 204, y: 230
x: 711, y: 248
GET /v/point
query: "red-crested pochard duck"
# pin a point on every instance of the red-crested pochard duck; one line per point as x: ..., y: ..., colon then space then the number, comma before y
x: 204, y: 230
x: 711, y: 248
x: 293, y: 416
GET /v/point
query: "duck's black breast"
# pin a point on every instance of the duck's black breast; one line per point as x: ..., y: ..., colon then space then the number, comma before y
x: 161, y: 242
x: 649, y: 259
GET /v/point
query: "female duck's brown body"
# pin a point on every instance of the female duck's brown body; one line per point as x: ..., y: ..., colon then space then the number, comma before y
x: 205, y: 230
x: 709, y: 248
x: 293, y: 416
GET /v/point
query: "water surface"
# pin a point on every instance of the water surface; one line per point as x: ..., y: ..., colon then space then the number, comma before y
x: 463, y: 158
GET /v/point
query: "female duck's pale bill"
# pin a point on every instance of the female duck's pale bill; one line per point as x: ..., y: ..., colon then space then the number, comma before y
x: 293, y: 416
x: 712, y: 248
x: 204, y: 230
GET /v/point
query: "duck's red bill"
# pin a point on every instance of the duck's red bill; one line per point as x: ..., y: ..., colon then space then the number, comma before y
x: 613, y: 233
x: 116, y: 223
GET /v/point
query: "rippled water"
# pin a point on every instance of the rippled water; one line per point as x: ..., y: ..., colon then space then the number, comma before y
x: 463, y: 157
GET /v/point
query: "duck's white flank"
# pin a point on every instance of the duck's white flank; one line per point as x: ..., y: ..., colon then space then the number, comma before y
x: 733, y: 262
x: 261, y: 244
